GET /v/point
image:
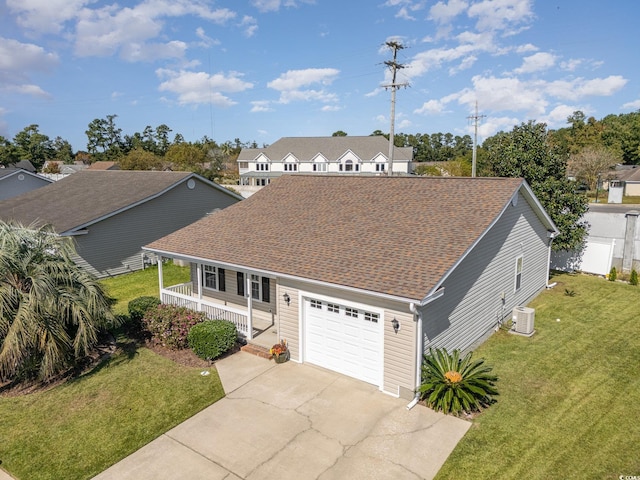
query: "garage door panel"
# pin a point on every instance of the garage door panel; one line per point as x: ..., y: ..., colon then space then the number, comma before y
x: 341, y: 338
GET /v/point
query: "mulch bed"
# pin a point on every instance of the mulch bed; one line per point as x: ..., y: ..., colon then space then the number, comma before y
x: 108, y: 347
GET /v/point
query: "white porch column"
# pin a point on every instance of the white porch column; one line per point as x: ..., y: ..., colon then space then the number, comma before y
x: 249, y: 307
x: 199, y: 287
x: 160, y: 281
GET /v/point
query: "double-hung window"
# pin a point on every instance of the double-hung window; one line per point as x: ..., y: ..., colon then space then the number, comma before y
x: 213, y: 278
x: 519, y: 268
x: 260, y: 287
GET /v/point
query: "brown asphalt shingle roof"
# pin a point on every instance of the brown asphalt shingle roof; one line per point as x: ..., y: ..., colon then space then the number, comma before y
x: 391, y: 235
x: 86, y: 196
x: 306, y: 149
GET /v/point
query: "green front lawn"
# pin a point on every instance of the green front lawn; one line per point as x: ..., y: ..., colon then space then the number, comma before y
x: 78, y: 429
x: 125, y: 288
x: 569, y: 399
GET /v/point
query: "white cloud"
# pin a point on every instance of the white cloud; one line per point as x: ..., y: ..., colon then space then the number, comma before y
x: 404, y: 14
x: 430, y: 107
x: 205, y: 40
x: 294, y: 79
x: 443, y: 12
x: 501, y: 14
x: 18, y: 61
x: 250, y: 25
x: 260, y: 106
x: 290, y: 85
x: 330, y: 108
x: 505, y: 94
x: 109, y: 30
x: 635, y: 105
x: 580, y: 87
x: 572, y: 64
x: 492, y: 125
x: 275, y: 5
x: 45, y: 16
x: 202, y: 88
x: 27, y: 89
x: 536, y: 62
x: 557, y: 117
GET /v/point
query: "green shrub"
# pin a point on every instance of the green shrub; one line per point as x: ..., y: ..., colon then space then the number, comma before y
x: 212, y: 338
x: 453, y: 385
x: 138, y: 307
x: 613, y: 274
x: 633, y: 279
x: 169, y: 325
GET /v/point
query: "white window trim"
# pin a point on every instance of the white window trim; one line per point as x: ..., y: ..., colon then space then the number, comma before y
x: 213, y: 272
x: 520, y: 261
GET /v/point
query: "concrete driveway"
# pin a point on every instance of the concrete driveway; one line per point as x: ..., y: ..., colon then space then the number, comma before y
x: 293, y: 421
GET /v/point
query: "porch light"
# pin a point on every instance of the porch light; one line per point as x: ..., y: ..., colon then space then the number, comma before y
x: 287, y: 298
x: 396, y: 325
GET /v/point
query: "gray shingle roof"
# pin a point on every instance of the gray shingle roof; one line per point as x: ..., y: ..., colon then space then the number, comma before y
x: 306, y: 149
x: 86, y: 196
x: 391, y: 235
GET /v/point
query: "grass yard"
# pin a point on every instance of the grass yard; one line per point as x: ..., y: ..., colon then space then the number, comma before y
x: 569, y: 404
x: 125, y: 288
x: 78, y: 429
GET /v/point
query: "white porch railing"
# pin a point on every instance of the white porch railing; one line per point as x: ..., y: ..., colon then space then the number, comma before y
x: 182, y: 296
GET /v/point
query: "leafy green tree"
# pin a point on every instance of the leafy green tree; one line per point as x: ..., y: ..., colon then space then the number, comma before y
x: 8, y: 152
x: 34, y: 146
x: 51, y: 311
x: 527, y: 152
x: 139, y: 159
x: 63, y: 150
x: 104, y: 139
x: 186, y: 156
x: 339, y: 133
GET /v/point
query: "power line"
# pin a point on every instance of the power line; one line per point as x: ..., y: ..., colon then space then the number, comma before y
x: 394, y: 66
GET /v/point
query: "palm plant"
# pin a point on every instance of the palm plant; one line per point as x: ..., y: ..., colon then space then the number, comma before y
x: 51, y: 311
x: 452, y: 384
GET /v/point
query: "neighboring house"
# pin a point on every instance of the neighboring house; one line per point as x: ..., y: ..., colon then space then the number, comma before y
x: 112, y: 214
x: 362, y: 274
x: 319, y: 155
x: 613, y: 241
x: 64, y: 169
x: 24, y: 165
x: 629, y: 176
x: 15, y: 181
x: 103, y: 166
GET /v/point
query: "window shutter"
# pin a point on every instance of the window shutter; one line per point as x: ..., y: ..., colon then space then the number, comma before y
x: 265, y: 290
x: 240, y: 277
x: 221, y: 285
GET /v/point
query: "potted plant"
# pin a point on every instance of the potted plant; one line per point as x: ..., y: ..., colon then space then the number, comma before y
x: 280, y: 352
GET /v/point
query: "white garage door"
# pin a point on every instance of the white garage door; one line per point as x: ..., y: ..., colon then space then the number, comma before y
x: 344, y: 339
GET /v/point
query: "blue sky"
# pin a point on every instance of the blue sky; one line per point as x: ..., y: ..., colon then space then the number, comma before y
x: 259, y: 70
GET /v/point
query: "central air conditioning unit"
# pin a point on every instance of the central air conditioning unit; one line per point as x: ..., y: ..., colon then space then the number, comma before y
x: 523, y: 318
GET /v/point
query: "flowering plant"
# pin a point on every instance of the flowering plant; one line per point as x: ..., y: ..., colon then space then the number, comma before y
x: 279, y: 348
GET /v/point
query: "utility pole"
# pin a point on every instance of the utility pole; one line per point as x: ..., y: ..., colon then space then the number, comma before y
x: 475, y: 119
x: 394, y: 66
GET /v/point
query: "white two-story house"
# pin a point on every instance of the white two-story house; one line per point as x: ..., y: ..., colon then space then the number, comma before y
x: 320, y: 155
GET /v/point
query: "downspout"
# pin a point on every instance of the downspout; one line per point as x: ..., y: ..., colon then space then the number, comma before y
x: 419, y: 345
x: 551, y: 236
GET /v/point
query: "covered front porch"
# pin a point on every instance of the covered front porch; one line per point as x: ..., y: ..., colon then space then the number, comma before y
x: 255, y: 323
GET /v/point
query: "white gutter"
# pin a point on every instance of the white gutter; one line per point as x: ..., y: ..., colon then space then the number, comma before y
x: 419, y: 343
x: 273, y: 274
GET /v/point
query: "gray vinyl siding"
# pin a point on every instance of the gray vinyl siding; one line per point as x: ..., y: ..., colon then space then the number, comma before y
x: 12, y: 186
x: 114, y: 245
x: 472, y: 306
x: 398, y: 355
x: 231, y: 298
